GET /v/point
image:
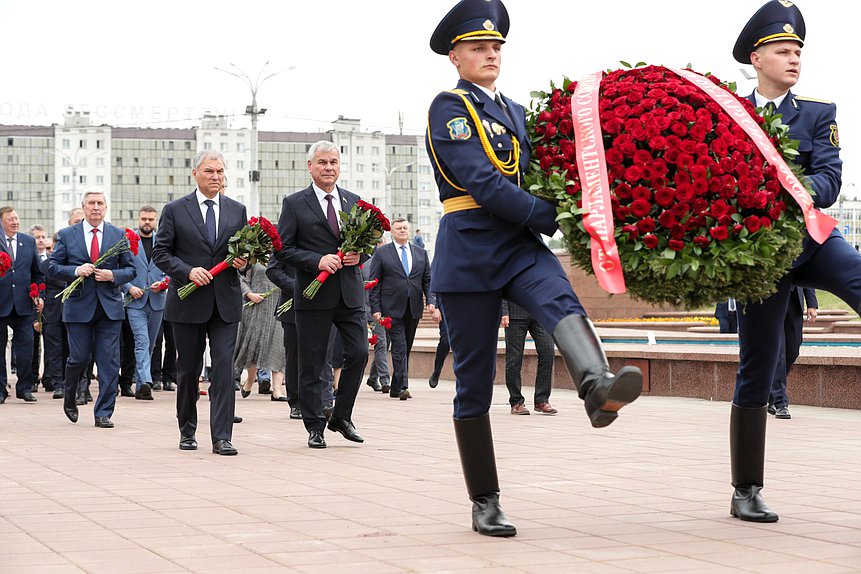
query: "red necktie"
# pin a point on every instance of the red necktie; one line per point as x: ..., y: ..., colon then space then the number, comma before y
x: 94, y: 246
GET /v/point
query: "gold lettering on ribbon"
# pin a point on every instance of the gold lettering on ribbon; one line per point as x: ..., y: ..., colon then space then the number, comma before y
x: 592, y: 167
x: 819, y: 225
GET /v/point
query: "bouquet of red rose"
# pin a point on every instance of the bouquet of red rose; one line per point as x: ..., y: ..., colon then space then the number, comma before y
x: 361, y: 230
x: 160, y: 286
x: 36, y: 290
x: 669, y: 185
x: 5, y: 263
x: 254, y: 242
x: 129, y: 243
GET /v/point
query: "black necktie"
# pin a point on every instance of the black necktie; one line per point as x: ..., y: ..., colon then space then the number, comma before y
x: 769, y: 109
x: 332, y: 217
x: 210, y: 221
x: 501, y: 104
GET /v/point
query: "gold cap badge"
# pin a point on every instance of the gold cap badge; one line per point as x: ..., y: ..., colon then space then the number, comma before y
x: 786, y: 3
x: 488, y: 25
x: 789, y: 29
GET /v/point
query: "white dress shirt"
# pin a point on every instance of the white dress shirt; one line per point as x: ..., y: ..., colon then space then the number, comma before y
x: 216, y: 208
x: 88, y: 234
x: 761, y: 100
x: 409, y: 254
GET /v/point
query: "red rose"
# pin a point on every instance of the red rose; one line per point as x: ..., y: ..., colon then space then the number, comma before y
x: 633, y: 173
x: 752, y: 223
x: 650, y: 241
x: 373, y: 340
x: 702, y: 241
x: 665, y: 197
x: 640, y: 208
x: 646, y: 225
x: 720, y: 232
x: 675, y: 244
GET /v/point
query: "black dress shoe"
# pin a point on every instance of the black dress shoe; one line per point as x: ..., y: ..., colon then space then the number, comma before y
x: 27, y: 397
x: 80, y: 398
x: 187, y: 443
x: 488, y: 518
x: 404, y: 395
x: 156, y: 386
x: 144, y: 393
x: 59, y: 392
x: 316, y: 440
x: 70, y: 408
x: 49, y: 386
x: 264, y: 387
x: 375, y: 385
x: 224, y: 448
x: 169, y: 386
x: 236, y: 419
x: 433, y: 381
x: 385, y: 388
x: 281, y: 399
x: 346, y: 428
x: 104, y: 423
x: 295, y: 413
x: 125, y: 390
x: 747, y: 504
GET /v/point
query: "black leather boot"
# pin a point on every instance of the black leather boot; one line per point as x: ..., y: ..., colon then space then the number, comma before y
x: 747, y: 456
x: 603, y: 392
x: 475, y: 445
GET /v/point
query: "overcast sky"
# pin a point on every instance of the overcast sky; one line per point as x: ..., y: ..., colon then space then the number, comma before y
x: 152, y: 63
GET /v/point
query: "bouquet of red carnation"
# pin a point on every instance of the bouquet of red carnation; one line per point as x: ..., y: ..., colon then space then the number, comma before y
x: 361, y: 230
x: 5, y: 263
x: 36, y: 290
x: 129, y: 243
x: 254, y: 242
x: 371, y: 284
x: 373, y: 340
x: 669, y: 185
x: 160, y: 286
x: 386, y: 322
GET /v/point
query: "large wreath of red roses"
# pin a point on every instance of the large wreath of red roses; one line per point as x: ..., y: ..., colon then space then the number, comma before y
x: 698, y: 213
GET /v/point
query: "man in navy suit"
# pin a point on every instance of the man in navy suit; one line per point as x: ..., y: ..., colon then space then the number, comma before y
x: 725, y: 313
x: 284, y: 277
x: 310, y: 231
x: 94, y: 312
x: 192, y: 238
x: 147, y: 305
x: 404, y: 273
x: 771, y: 41
x: 17, y: 308
x: 489, y: 247
x: 793, y: 336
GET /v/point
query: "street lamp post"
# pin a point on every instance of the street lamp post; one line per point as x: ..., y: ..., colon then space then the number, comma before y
x: 387, y: 173
x: 253, y: 111
x: 75, y: 162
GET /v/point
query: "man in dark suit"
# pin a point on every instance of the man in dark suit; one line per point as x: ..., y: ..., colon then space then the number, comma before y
x: 772, y: 43
x: 725, y: 313
x: 40, y: 235
x: 54, y: 332
x: 310, y: 233
x: 94, y: 312
x: 793, y: 336
x: 192, y: 238
x: 404, y: 273
x: 284, y: 277
x: 17, y: 308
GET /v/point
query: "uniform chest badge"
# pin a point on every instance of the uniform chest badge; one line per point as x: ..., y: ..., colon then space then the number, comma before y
x: 834, y: 137
x: 458, y: 129
x: 498, y: 129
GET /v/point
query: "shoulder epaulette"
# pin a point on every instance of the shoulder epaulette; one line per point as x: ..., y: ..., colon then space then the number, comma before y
x: 458, y: 91
x: 817, y: 100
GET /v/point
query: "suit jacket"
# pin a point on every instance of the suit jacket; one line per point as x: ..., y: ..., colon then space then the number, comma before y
x: 397, y: 292
x: 482, y: 249
x: 72, y: 252
x: 284, y: 277
x: 15, y: 285
x: 813, y: 123
x: 181, y: 244
x: 52, y: 312
x: 806, y: 298
x: 306, y: 237
x: 146, y: 273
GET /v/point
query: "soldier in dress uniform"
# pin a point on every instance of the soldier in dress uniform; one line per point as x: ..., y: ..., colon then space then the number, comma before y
x: 489, y: 247
x: 772, y: 41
